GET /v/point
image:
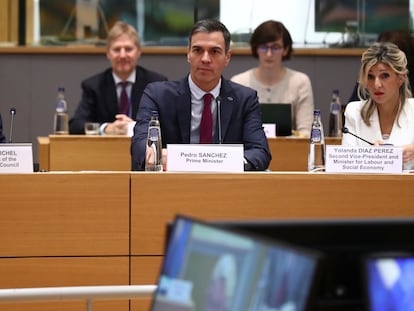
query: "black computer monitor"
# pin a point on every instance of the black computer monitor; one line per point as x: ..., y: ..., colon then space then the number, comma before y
x: 211, y: 268
x: 279, y: 114
x: 344, y: 244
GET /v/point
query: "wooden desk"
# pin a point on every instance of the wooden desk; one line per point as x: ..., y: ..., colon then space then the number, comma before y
x: 112, y: 153
x: 157, y: 198
x: 68, y: 229
x: 84, y: 153
x: 64, y: 214
x: 108, y: 228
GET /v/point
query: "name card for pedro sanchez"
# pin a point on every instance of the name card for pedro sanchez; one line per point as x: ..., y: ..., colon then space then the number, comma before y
x: 225, y: 158
x: 371, y: 159
x: 16, y: 158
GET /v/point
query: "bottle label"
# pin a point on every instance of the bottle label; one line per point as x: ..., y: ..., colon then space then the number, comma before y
x: 335, y: 108
x: 153, y: 134
x: 316, y: 135
x: 60, y: 106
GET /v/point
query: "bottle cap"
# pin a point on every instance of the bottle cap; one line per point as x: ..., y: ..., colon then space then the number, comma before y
x: 316, y: 112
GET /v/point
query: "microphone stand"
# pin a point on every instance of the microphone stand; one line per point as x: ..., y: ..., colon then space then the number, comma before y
x: 12, y: 113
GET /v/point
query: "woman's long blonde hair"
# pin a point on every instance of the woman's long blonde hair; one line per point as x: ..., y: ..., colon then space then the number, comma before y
x: 388, y: 54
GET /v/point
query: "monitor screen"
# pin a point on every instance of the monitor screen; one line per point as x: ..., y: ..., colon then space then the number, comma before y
x: 363, y: 16
x: 380, y: 15
x: 207, y: 268
x: 390, y: 282
x: 279, y: 114
x: 335, y: 15
x: 343, y: 243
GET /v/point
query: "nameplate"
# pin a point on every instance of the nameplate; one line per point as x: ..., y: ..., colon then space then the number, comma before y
x: 16, y: 158
x: 205, y: 158
x: 269, y: 129
x: 371, y: 159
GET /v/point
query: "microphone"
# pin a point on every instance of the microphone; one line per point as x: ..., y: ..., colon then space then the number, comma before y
x: 346, y: 131
x: 218, y: 101
x: 12, y: 113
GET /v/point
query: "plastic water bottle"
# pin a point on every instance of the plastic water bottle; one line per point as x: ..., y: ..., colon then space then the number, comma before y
x: 316, y: 158
x: 61, y: 119
x: 154, y: 143
x: 335, y: 115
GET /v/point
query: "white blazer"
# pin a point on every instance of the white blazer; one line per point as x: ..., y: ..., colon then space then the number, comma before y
x: 399, y: 136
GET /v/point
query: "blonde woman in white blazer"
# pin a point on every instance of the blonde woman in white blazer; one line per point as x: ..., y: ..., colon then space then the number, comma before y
x: 385, y: 113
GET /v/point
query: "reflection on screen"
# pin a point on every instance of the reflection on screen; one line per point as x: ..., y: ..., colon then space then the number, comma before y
x: 210, y: 269
x: 390, y: 283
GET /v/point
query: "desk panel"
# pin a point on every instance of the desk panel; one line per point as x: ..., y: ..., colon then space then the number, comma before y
x: 290, y: 154
x: 157, y: 197
x: 144, y: 270
x: 73, y: 271
x: 81, y: 152
x: 70, y: 214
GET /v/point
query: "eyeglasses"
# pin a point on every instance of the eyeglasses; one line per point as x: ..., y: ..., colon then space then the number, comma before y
x: 273, y: 49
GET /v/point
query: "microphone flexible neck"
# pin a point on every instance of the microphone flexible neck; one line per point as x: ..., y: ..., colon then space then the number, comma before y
x: 346, y: 131
x: 12, y: 113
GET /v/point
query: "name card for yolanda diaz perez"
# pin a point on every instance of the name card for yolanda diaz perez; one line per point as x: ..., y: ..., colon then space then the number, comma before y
x: 16, y: 158
x: 371, y: 159
x: 205, y: 158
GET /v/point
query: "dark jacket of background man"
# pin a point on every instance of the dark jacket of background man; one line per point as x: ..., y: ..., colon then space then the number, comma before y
x: 99, y: 101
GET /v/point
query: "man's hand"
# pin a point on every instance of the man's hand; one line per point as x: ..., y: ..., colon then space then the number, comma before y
x: 119, y: 126
x: 150, y: 157
x: 408, y: 153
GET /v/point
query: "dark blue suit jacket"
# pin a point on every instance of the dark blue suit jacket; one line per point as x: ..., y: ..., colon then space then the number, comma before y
x: 2, y: 137
x: 241, y: 121
x: 99, y: 102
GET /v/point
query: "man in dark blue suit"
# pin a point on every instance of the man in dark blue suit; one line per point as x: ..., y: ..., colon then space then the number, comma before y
x: 2, y: 137
x: 101, y: 93
x: 180, y: 103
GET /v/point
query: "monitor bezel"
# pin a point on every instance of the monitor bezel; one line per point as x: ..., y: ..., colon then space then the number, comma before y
x: 250, y: 235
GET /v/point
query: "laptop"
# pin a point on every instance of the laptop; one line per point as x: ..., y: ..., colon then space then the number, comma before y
x: 279, y: 114
x: 209, y: 268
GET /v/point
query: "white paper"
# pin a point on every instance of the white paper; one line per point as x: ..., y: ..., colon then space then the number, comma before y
x: 270, y: 130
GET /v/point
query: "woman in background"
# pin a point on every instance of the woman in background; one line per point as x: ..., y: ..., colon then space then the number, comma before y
x: 386, y: 115
x: 271, y: 43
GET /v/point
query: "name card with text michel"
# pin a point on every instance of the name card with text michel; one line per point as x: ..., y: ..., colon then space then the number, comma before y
x: 205, y: 158
x: 16, y: 158
x: 371, y: 159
